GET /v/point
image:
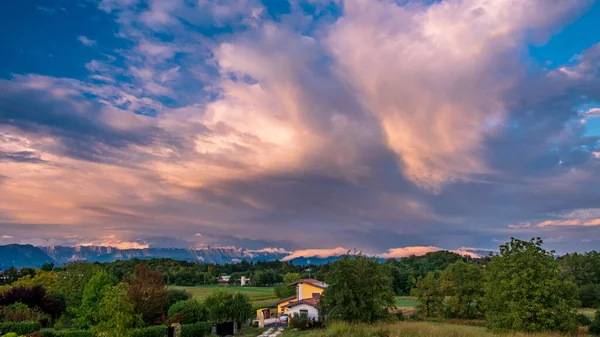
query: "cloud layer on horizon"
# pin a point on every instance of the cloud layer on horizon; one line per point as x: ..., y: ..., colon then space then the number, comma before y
x: 357, y: 123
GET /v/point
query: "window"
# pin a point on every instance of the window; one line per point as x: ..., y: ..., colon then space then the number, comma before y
x: 304, y: 312
x: 316, y: 295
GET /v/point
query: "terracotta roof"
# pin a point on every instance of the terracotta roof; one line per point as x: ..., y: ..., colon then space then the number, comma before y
x: 286, y: 299
x: 310, y: 301
x: 310, y: 281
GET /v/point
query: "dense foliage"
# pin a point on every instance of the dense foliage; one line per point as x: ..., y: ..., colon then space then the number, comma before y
x: 225, y: 306
x: 359, y: 290
x: 193, y: 311
x: 522, y: 288
x: 284, y: 290
x: 595, y: 326
x: 526, y: 292
x: 147, y: 293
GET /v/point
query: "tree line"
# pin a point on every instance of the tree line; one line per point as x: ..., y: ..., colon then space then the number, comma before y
x: 522, y: 287
x: 88, y: 299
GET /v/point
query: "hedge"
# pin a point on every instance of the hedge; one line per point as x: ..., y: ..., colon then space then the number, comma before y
x: 20, y: 328
x: 196, y: 330
x: 66, y: 333
x: 151, y: 331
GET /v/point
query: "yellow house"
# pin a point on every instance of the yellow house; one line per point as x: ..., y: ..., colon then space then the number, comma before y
x: 282, y: 303
x: 308, y: 293
x: 308, y: 288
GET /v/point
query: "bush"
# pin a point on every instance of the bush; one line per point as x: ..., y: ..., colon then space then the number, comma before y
x: 299, y: 321
x: 196, y: 330
x: 151, y: 331
x: 49, y: 333
x: 20, y: 328
x: 595, y: 326
x: 19, y: 312
x: 583, y: 320
x: 399, y: 315
x: 589, y: 295
x: 35, y: 334
x: 66, y: 333
x: 176, y: 295
x: 11, y: 334
x: 193, y: 311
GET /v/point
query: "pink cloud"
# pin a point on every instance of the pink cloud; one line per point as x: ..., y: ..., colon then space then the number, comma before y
x: 422, y: 250
x: 436, y: 111
x: 320, y: 253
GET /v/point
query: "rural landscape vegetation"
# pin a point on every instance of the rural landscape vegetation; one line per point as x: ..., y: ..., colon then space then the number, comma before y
x: 300, y: 168
x: 520, y: 290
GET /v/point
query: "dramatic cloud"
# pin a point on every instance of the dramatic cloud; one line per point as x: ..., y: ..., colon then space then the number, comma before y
x: 369, y: 124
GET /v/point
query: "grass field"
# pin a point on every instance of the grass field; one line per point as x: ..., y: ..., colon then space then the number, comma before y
x: 406, y: 302
x: 261, y: 297
x: 403, y: 329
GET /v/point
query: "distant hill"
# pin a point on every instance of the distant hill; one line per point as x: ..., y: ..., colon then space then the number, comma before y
x: 21, y: 256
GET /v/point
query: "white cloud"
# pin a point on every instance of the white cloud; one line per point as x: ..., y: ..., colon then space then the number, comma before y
x: 5, y: 237
x: 86, y: 41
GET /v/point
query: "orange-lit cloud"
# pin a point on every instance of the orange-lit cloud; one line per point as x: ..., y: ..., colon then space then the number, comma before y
x: 422, y: 250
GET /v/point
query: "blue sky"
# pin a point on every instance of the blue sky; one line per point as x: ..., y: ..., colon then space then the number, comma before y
x: 389, y: 126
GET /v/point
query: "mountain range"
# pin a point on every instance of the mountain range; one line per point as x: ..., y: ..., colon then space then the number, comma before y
x: 19, y: 256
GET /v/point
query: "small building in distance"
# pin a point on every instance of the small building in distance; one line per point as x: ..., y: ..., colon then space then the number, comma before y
x: 244, y: 281
x: 224, y: 279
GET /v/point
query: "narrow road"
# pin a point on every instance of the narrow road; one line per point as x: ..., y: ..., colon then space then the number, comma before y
x: 272, y: 332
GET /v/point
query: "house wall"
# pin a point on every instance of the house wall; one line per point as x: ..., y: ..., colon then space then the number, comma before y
x: 312, y: 311
x: 280, y: 305
x: 306, y: 291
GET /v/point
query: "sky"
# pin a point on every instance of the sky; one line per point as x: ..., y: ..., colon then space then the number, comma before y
x: 313, y: 126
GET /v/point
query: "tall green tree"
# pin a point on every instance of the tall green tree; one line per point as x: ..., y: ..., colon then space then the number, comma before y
x: 526, y: 291
x: 94, y: 291
x: 71, y: 282
x: 359, y: 290
x: 284, y: 290
x: 430, y: 295
x: 116, y: 314
x: 462, y: 284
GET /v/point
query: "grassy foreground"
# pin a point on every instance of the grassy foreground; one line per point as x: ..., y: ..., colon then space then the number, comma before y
x: 404, y: 329
x: 261, y: 297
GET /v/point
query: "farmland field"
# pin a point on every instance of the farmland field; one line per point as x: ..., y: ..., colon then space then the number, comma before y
x: 406, y: 302
x: 261, y: 297
x: 408, y: 329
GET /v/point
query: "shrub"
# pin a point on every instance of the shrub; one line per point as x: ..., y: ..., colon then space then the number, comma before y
x: 399, y: 315
x: 177, y: 295
x: 193, y: 311
x: 20, y: 328
x: 35, y: 334
x: 583, y: 320
x: 49, y: 333
x: 595, y: 326
x: 11, y: 334
x: 196, y: 330
x: 299, y: 321
x: 589, y: 295
x: 66, y: 333
x: 75, y: 333
x: 151, y: 331
x: 19, y: 312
